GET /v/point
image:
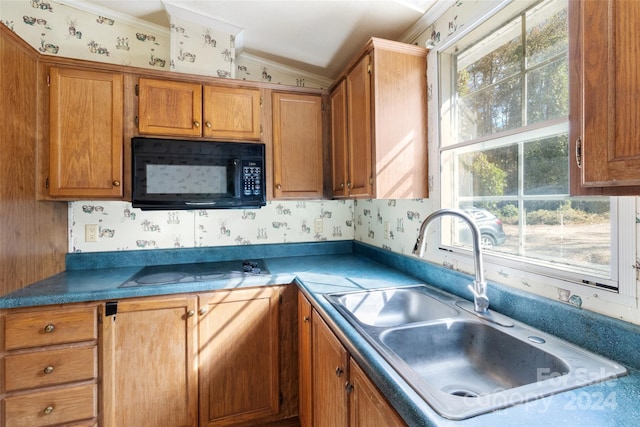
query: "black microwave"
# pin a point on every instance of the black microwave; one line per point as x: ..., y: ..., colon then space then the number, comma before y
x: 169, y: 174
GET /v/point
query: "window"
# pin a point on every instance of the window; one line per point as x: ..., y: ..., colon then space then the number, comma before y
x: 504, y: 148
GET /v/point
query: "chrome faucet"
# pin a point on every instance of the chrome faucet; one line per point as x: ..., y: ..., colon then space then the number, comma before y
x: 479, y: 286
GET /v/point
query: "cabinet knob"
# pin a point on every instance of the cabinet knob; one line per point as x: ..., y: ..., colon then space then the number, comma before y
x: 202, y: 311
x: 342, y: 185
x: 349, y: 184
x: 278, y: 186
x: 116, y: 183
x: 48, y: 410
x: 348, y: 386
x: 191, y: 313
x: 305, y: 319
x: 208, y: 124
x: 339, y: 371
x: 48, y: 370
x: 49, y: 328
x: 196, y: 124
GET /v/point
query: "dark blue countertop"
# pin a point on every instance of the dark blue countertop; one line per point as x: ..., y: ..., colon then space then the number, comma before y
x: 344, y: 266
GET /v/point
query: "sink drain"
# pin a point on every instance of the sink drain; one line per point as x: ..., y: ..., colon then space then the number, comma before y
x: 463, y: 393
x: 460, y: 391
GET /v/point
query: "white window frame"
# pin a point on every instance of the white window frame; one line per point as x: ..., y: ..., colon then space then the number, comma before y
x: 622, y: 214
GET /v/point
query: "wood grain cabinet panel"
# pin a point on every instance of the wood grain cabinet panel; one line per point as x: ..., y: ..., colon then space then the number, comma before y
x: 52, y: 407
x: 26, y: 329
x: 297, y: 146
x: 305, y: 360
x: 175, y: 108
x: 149, y: 362
x: 239, y: 356
x: 86, y: 112
x: 169, y: 108
x: 604, y: 86
x: 46, y: 368
x: 379, y: 123
x: 49, y: 366
x: 232, y: 113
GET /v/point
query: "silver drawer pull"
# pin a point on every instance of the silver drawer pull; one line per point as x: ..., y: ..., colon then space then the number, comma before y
x: 48, y: 410
x: 48, y: 370
x: 49, y: 328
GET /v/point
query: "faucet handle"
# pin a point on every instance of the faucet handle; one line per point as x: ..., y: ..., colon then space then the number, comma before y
x: 480, y: 300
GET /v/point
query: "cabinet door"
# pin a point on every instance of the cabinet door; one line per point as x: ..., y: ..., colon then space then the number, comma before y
x: 238, y: 356
x: 305, y: 380
x: 339, y: 149
x: 149, y: 363
x: 297, y: 145
x: 329, y: 377
x: 169, y: 108
x: 359, y: 128
x: 605, y: 84
x: 367, y: 406
x: 86, y: 133
x: 232, y: 113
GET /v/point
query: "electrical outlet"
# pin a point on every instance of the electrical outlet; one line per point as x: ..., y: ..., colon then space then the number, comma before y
x: 318, y: 225
x: 387, y: 231
x: 91, y: 232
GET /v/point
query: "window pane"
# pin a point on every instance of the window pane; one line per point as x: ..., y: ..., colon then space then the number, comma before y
x: 547, y: 31
x: 548, y: 92
x: 492, y: 172
x: 492, y: 110
x: 546, y: 166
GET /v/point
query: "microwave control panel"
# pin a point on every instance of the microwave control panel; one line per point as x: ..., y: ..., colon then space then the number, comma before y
x: 251, y: 179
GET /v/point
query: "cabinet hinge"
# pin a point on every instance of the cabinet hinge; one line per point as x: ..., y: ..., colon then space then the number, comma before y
x: 280, y: 399
x: 261, y: 129
x: 579, y: 152
x: 370, y: 179
x: 280, y: 298
x: 110, y: 308
x: 261, y: 100
x: 322, y: 106
x: 369, y: 68
x: 137, y: 121
x: 48, y: 80
x: 137, y: 90
x: 46, y: 183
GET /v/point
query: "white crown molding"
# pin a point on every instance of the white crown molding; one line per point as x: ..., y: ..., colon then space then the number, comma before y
x: 119, y: 17
x: 434, y: 13
x: 199, y: 18
x: 321, y: 80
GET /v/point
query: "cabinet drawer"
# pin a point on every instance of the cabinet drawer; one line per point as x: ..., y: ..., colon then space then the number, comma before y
x: 45, y: 368
x: 38, y: 328
x: 52, y: 407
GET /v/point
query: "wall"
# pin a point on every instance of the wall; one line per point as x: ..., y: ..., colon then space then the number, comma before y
x: 192, y: 44
x: 33, y: 242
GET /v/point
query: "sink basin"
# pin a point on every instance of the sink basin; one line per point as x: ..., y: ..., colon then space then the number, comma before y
x: 463, y: 365
x: 471, y: 359
x: 393, y: 307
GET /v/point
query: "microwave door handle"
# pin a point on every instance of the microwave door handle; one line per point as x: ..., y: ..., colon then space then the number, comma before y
x: 199, y: 203
x: 238, y: 178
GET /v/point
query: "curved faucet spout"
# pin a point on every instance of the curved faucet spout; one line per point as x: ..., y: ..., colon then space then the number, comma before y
x: 479, y: 286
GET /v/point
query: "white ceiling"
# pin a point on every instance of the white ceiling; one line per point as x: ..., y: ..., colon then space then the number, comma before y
x: 317, y: 36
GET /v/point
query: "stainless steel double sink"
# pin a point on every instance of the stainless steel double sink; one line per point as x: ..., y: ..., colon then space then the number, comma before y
x: 463, y: 365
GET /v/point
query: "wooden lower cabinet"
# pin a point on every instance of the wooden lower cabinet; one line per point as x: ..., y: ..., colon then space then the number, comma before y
x: 368, y: 407
x: 49, y: 366
x: 239, y: 356
x: 149, y: 353
x: 335, y: 391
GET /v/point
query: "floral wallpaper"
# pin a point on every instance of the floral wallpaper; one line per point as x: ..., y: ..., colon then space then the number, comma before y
x: 121, y: 227
x: 187, y: 46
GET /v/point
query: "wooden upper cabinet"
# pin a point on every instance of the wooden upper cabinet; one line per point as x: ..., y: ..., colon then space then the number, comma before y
x: 86, y: 111
x: 175, y: 108
x: 297, y: 146
x: 169, y: 108
x: 605, y: 85
x: 360, y: 178
x: 232, y: 113
x: 385, y: 92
